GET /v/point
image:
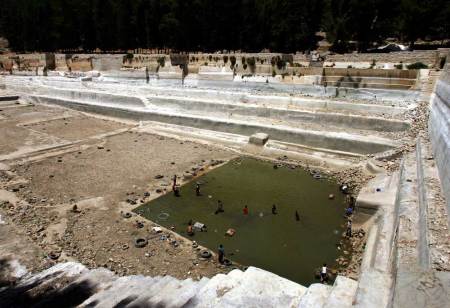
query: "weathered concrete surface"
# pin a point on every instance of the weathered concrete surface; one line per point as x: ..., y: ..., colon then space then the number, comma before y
x: 439, y: 130
x: 75, y: 285
x: 259, y: 138
x: 422, y: 289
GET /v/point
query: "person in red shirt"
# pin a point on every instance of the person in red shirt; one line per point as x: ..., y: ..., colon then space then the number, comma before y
x: 245, y: 210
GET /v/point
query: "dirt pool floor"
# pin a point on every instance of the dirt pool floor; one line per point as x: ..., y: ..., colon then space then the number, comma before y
x: 54, y: 160
x: 67, y: 178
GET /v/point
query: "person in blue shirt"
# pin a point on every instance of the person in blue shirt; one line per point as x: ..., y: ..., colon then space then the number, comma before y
x: 349, y: 211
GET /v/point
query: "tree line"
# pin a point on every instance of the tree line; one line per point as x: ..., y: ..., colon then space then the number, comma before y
x: 211, y: 25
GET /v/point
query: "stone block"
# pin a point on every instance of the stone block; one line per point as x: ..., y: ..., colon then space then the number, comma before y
x: 259, y: 138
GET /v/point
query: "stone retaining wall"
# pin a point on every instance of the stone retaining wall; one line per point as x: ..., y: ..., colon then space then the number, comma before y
x: 439, y: 129
x: 429, y: 57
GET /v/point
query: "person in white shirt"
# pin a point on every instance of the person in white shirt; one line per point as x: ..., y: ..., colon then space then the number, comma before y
x: 323, y: 273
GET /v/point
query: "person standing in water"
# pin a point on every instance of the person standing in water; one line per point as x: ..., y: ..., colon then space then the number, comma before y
x: 349, y: 211
x: 190, y: 230
x: 219, y: 207
x: 174, y: 185
x: 197, y: 190
x: 349, y: 228
x: 176, y: 191
x: 323, y: 273
x: 245, y: 210
x: 221, y: 252
x: 274, y: 209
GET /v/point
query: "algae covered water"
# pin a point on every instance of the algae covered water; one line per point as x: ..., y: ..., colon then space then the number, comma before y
x: 277, y: 242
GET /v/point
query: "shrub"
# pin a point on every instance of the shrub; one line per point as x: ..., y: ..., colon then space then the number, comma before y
x: 161, y: 61
x: 399, y: 66
x: 128, y: 57
x: 206, y: 63
x: 416, y: 66
x: 262, y: 61
x: 233, y: 60
x: 243, y: 60
x: 244, y: 66
x: 442, y: 63
x: 274, y: 73
x: 251, y: 61
x: 273, y: 61
x: 349, y: 66
x: 225, y: 59
x: 280, y: 63
x: 210, y: 58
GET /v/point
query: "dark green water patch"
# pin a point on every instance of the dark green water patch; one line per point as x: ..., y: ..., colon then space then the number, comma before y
x: 278, y: 243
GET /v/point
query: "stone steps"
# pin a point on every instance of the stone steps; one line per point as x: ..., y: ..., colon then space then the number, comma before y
x: 312, y: 123
x: 423, y: 249
x: 337, y: 141
x: 375, y: 282
x: 292, y: 115
x: 75, y: 285
x: 316, y: 296
x: 342, y: 293
x: 437, y: 215
x: 408, y: 230
x: 292, y: 110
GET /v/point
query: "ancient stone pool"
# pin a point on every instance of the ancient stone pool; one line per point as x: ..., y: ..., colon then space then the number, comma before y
x: 276, y: 242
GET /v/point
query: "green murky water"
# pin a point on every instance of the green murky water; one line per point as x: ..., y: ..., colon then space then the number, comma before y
x: 278, y: 243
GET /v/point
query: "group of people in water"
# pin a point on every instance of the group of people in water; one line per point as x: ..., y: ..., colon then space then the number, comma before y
x: 220, y: 209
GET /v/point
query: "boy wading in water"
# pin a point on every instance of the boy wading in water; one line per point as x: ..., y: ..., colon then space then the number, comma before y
x: 176, y: 191
x: 349, y: 228
x: 174, y: 185
x: 190, y: 230
x: 274, y: 209
x: 221, y: 252
x: 323, y: 273
x: 219, y: 207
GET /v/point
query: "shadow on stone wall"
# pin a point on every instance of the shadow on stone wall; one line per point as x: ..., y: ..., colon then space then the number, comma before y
x: 51, y: 291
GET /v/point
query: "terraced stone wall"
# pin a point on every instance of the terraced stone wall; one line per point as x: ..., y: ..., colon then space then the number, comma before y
x: 428, y: 57
x: 439, y: 129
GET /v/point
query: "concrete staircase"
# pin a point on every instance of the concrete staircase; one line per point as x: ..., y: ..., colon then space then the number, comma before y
x: 300, y: 124
x: 407, y: 251
x: 427, y: 82
x: 423, y: 243
x: 72, y: 284
x: 369, y: 82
